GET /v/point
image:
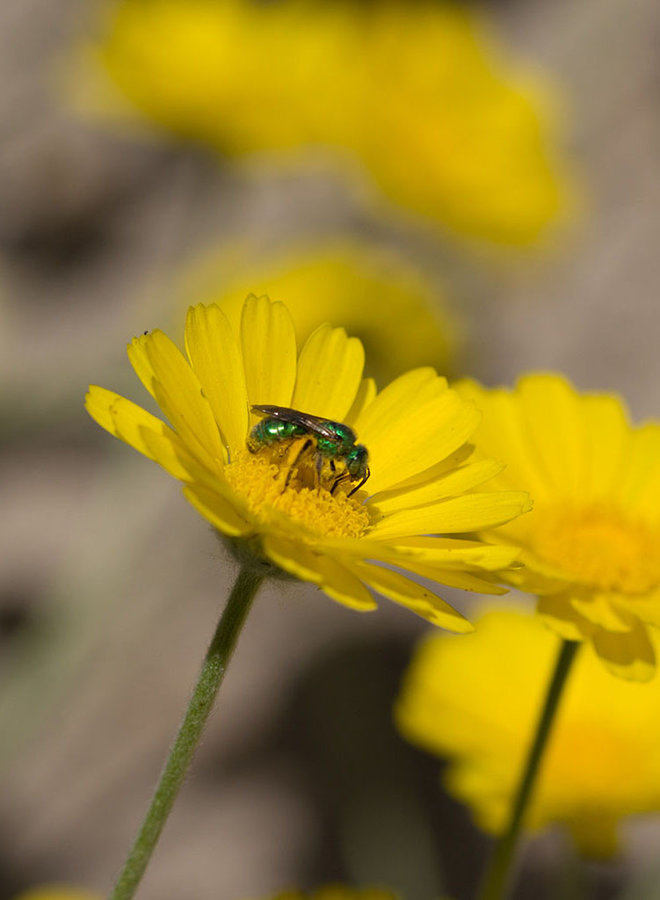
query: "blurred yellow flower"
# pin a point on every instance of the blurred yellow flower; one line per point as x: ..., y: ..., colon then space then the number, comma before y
x: 337, y: 892
x: 591, y: 546
x: 423, y: 99
x: 373, y: 292
x: 281, y: 500
x: 603, y: 759
x: 57, y: 892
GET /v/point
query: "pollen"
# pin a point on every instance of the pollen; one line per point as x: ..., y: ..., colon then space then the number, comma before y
x: 601, y: 547
x: 277, y: 481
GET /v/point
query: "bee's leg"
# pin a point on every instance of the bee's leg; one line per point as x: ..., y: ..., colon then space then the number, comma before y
x: 338, y: 480
x: 292, y: 463
x: 319, y: 469
x: 358, y: 486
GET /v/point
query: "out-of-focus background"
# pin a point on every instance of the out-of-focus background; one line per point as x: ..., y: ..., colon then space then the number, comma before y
x: 474, y: 187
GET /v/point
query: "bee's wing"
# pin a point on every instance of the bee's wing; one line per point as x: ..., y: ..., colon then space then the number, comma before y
x: 315, y: 424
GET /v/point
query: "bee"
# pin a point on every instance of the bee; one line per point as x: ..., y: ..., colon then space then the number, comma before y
x: 333, y: 441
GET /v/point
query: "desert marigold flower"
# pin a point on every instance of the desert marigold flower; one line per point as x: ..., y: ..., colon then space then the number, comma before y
x: 279, y: 492
x: 375, y: 293
x: 425, y: 102
x: 602, y: 762
x: 57, y: 892
x: 337, y: 892
x: 591, y: 546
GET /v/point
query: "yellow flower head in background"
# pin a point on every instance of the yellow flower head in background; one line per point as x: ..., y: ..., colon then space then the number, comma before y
x: 420, y: 96
x: 337, y: 892
x: 285, y: 502
x: 603, y: 759
x: 591, y: 546
x: 378, y: 297
x: 57, y: 892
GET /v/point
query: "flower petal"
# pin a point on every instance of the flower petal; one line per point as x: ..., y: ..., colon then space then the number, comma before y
x: 606, y: 430
x: 165, y: 373
x: 412, y: 425
x: 269, y: 352
x: 365, y: 395
x: 215, y: 357
x: 560, y: 616
x: 551, y: 411
x: 219, y: 510
x: 329, y: 373
x: 628, y: 655
x: 413, y: 596
x: 456, y: 481
x: 471, y: 512
x: 598, y: 610
x: 332, y: 577
x: 503, y: 433
x: 146, y: 433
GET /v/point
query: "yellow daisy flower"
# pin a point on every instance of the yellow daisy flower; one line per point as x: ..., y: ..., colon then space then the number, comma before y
x: 337, y: 892
x: 57, y: 892
x: 591, y: 547
x: 373, y: 292
x: 426, y: 103
x: 602, y: 762
x: 284, y: 502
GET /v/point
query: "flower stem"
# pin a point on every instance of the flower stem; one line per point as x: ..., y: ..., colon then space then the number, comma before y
x: 498, y: 870
x: 210, y: 678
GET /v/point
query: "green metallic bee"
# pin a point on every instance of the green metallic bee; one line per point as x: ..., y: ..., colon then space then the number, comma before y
x: 333, y: 441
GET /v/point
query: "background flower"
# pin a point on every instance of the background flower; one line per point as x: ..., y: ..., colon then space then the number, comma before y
x: 591, y: 545
x: 400, y: 316
x: 442, y: 122
x: 603, y: 760
x: 53, y: 892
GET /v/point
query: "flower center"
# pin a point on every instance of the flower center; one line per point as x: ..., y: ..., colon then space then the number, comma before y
x: 286, y: 478
x: 602, y: 547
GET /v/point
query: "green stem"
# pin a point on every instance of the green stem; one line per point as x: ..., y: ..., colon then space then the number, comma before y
x: 210, y: 678
x: 498, y: 872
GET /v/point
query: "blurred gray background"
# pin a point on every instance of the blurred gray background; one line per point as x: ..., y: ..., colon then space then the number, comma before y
x: 110, y: 585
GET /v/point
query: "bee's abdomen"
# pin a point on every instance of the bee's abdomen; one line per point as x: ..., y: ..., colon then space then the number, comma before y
x: 271, y: 430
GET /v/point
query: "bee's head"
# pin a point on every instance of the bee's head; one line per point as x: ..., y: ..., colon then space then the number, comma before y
x: 357, y: 460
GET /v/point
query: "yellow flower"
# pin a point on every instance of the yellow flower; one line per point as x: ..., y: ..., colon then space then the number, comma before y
x: 278, y: 502
x: 374, y: 293
x: 603, y: 759
x: 338, y: 892
x: 424, y: 101
x: 57, y: 892
x: 591, y: 547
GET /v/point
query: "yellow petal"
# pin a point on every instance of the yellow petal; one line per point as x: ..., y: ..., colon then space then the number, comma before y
x: 638, y: 482
x: 334, y: 579
x: 598, y: 610
x: 502, y: 436
x: 329, y: 373
x: 561, y: 617
x: 219, y: 510
x: 269, y: 352
x: 474, y: 580
x: 553, y: 420
x: 471, y: 512
x: 448, y: 552
x: 458, y: 481
x: 163, y: 370
x: 144, y: 432
x: 215, y: 356
x: 413, y: 596
x: 606, y: 429
x: 423, y: 431
x: 365, y: 395
x: 629, y: 655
